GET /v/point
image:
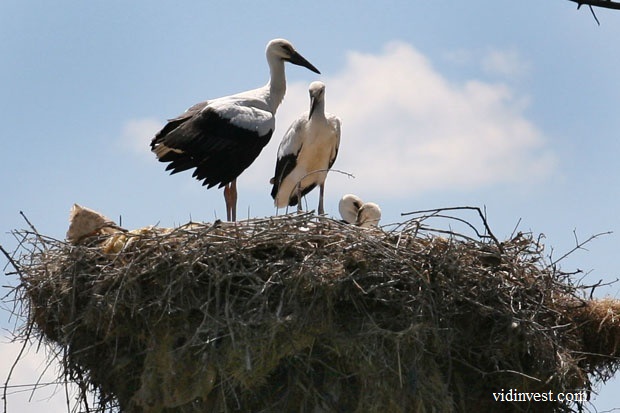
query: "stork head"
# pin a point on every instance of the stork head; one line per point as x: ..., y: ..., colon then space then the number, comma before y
x: 283, y: 49
x: 349, y: 206
x: 317, y: 94
x: 369, y: 215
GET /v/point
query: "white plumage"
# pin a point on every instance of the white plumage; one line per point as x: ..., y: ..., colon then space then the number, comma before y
x: 220, y: 138
x: 348, y: 207
x: 307, y: 151
x: 355, y: 211
x: 369, y: 215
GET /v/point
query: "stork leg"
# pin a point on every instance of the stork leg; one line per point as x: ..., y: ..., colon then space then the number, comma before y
x: 299, y: 197
x: 321, y: 192
x: 227, y: 200
x: 233, y: 208
x: 230, y: 197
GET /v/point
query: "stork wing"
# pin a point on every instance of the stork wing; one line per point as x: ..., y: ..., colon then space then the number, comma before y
x: 174, y: 123
x: 290, y: 146
x: 292, y: 140
x: 220, y: 139
x: 335, y: 124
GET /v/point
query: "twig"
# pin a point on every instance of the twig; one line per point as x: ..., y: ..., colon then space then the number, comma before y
x: 19, y: 356
x: 30, y: 386
x: 482, y: 217
x: 268, y: 283
x: 11, y: 260
x: 514, y: 231
x: 599, y: 283
x: 594, y: 15
x: 297, y: 187
x: 579, y: 245
x: 606, y: 4
x: 32, y: 227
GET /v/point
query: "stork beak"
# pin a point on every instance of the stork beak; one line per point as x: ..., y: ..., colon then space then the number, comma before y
x: 299, y: 60
x: 313, y: 103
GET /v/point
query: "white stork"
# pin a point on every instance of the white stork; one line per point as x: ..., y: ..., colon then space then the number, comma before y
x: 369, y: 215
x: 307, y: 151
x: 222, y: 137
x: 355, y: 211
x: 348, y: 207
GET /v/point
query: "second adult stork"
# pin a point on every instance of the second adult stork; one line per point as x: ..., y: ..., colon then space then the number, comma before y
x: 306, y: 153
x: 222, y: 137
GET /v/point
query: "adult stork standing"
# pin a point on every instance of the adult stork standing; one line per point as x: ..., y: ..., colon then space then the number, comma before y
x: 222, y: 137
x: 307, y: 151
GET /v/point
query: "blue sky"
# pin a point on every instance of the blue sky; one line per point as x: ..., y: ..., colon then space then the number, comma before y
x: 508, y: 105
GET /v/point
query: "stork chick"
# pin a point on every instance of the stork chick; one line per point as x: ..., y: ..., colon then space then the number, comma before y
x: 357, y: 212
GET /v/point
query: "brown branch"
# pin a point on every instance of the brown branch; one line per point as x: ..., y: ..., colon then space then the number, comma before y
x: 480, y: 213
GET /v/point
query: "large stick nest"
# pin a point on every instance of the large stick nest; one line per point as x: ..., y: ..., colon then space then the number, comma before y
x: 306, y: 314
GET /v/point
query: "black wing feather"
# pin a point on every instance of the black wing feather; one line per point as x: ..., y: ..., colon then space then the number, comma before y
x: 219, y: 150
x: 284, y: 167
x: 293, y: 200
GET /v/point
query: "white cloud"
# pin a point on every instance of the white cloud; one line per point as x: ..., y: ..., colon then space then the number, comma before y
x: 407, y: 129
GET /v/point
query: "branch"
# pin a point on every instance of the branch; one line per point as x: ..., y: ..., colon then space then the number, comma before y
x: 297, y: 187
x: 11, y: 260
x: 579, y: 244
x: 19, y: 356
x: 480, y: 213
x: 606, y: 4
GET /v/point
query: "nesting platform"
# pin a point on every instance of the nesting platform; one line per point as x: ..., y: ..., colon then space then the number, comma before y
x: 306, y: 314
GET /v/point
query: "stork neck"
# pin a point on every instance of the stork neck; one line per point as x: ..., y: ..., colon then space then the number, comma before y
x: 277, y: 82
x: 319, y: 110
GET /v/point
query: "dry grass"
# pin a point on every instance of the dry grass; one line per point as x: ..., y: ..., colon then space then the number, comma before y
x: 306, y: 314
